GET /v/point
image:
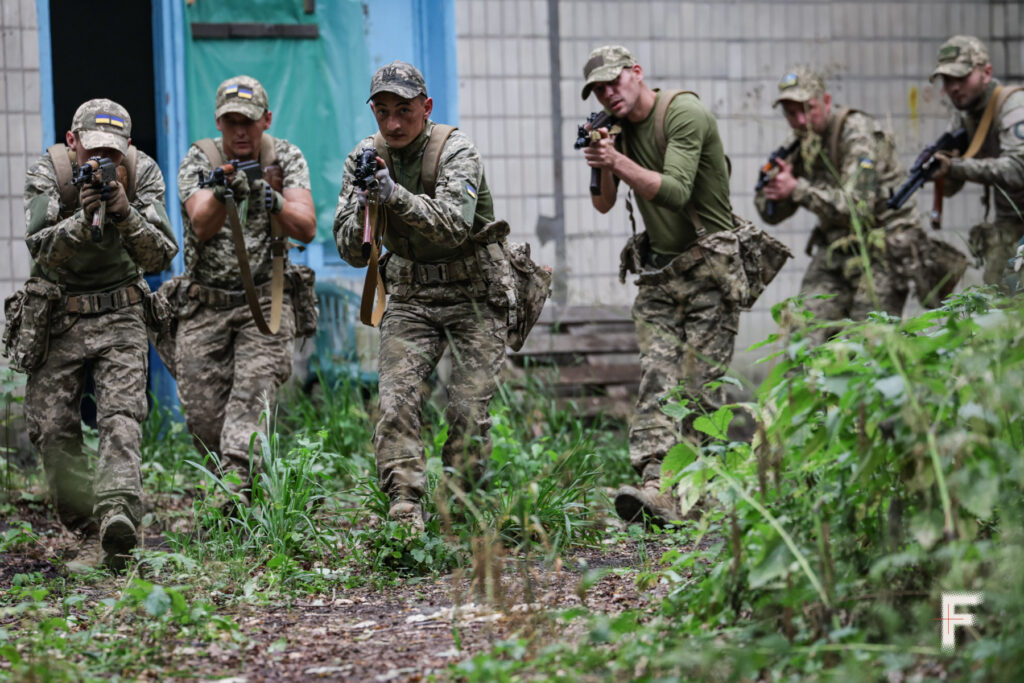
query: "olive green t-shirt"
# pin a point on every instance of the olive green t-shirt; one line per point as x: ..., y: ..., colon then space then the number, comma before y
x: 694, y: 171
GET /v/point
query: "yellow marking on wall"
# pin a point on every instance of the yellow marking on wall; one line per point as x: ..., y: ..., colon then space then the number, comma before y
x: 912, y: 101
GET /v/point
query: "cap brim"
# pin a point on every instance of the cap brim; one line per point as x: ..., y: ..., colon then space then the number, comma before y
x: 955, y: 69
x: 602, y: 74
x: 97, y: 139
x: 403, y: 92
x: 801, y: 97
x: 251, y: 111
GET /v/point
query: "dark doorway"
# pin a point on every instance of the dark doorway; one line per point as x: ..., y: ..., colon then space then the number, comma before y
x: 115, y: 62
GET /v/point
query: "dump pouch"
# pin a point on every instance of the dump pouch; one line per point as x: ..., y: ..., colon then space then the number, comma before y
x: 762, y: 256
x: 27, y: 332
x: 305, y: 304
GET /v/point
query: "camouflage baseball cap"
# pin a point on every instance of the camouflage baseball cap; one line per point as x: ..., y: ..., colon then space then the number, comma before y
x: 800, y: 84
x: 959, y: 55
x: 605, y: 64
x: 103, y: 123
x: 400, y: 78
x: 242, y: 95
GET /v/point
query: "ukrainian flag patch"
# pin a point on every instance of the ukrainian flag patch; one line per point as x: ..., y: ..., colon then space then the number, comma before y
x: 110, y: 120
x: 471, y: 191
x: 245, y: 93
x: 866, y: 163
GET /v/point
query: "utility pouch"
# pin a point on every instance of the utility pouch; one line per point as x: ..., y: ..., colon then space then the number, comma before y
x: 980, y: 239
x: 305, y: 303
x: 632, y: 256
x: 166, y: 306
x: 27, y: 332
x: 721, y: 252
x: 762, y: 257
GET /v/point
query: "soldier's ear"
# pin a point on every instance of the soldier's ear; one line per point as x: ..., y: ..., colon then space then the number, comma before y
x: 70, y: 140
x: 428, y: 106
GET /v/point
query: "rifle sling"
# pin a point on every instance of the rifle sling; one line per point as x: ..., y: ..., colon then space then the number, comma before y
x: 994, y: 102
x: 370, y: 313
x: 277, y: 245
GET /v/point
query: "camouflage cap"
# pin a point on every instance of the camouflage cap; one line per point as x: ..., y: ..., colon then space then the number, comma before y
x: 102, y: 123
x: 400, y: 78
x: 605, y: 64
x: 800, y: 84
x: 242, y: 95
x: 959, y: 55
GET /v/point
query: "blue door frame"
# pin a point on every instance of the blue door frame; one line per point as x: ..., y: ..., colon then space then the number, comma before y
x: 418, y: 31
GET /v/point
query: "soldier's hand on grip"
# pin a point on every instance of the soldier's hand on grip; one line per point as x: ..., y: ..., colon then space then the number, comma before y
x: 944, y: 160
x: 90, y: 197
x: 117, y: 201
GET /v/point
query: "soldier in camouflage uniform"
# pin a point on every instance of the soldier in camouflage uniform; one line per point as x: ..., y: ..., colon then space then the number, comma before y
x: 686, y: 320
x: 862, y: 175
x: 438, y: 295
x: 966, y: 72
x: 226, y: 367
x: 99, y: 319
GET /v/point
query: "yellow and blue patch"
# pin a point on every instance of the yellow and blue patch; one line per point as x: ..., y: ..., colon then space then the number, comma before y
x: 867, y: 164
x: 239, y: 91
x: 788, y: 81
x: 110, y: 120
x: 471, y: 191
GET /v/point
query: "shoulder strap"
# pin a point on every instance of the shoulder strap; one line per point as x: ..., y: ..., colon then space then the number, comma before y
x: 837, y: 132
x: 209, y: 148
x: 995, y: 103
x: 660, y: 112
x: 268, y: 150
x: 60, y: 155
x: 432, y: 156
x: 131, y: 165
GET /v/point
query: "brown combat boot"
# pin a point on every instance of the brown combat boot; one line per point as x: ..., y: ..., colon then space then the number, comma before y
x: 89, y: 556
x: 647, y: 504
x: 117, y: 532
x: 407, y: 512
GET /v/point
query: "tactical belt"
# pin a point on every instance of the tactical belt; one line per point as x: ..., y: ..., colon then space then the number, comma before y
x: 222, y: 299
x: 676, y: 266
x: 104, y: 302
x: 436, y: 273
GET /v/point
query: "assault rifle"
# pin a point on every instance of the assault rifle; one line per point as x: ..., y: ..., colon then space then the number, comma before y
x: 923, y: 170
x: 219, y: 175
x: 97, y: 171
x: 365, y: 177
x: 765, y: 174
x: 587, y: 133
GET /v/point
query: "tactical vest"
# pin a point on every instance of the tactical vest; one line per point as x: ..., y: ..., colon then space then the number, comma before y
x: 406, y: 241
x: 96, y: 266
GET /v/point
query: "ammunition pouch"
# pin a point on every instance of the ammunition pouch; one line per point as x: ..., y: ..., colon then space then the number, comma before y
x: 26, y: 335
x: 305, y: 304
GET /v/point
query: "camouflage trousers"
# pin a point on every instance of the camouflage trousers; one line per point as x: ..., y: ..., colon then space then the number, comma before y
x: 225, y: 368
x: 686, y: 331
x: 995, y: 244
x: 413, y: 336
x: 832, y: 274
x: 116, y: 345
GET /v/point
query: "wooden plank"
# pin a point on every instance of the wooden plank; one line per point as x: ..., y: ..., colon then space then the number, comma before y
x: 574, y: 315
x: 617, y: 342
x: 592, y: 406
x: 579, y: 375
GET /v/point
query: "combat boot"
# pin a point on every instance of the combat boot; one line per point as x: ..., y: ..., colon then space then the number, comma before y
x: 647, y: 504
x: 89, y: 556
x: 407, y: 512
x: 117, y: 532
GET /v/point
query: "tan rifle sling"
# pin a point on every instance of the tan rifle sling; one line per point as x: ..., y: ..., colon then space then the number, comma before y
x: 278, y: 244
x: 370, y: 312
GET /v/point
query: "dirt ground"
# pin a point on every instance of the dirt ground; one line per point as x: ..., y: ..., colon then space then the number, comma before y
x: 404, y: 632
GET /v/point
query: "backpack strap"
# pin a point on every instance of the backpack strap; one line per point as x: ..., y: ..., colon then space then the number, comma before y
x: 209, y: 148
x: 432, y: 156
x: 131, y: 165
x: 268, y: 150
x: 837, y: 131
x: 660, y: 112
x: 382, y: 151
x: 60, y: 156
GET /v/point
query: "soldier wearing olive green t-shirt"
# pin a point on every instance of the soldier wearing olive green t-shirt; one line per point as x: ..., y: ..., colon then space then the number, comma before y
x: 685, y: 320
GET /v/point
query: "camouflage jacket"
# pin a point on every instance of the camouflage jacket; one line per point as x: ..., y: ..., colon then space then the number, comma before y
x: 868, y: 171
x: 60, y: 240
x: 1001, y: 159
x: 420, y: 227
x: 214, y: 262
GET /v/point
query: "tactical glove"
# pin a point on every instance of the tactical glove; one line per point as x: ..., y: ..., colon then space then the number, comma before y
x: 90, y: 197
x: 262, y: 194
x: 118, y: 207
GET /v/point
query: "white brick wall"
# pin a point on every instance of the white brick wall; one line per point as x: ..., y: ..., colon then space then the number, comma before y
x: 20, y: 135
x: 877, y: 54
